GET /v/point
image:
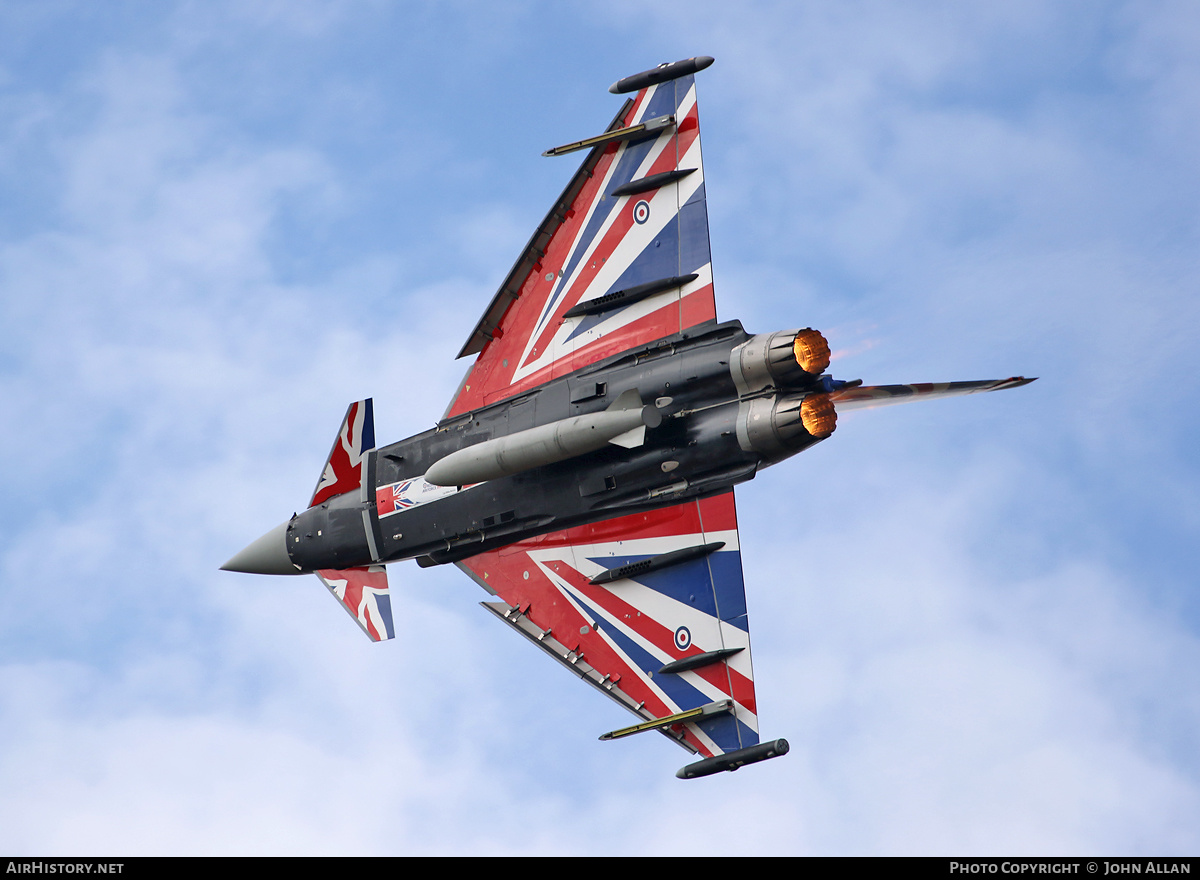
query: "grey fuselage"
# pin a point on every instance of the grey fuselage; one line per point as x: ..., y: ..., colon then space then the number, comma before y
x: 719, y: 425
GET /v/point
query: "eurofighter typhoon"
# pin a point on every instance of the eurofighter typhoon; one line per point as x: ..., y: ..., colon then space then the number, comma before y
x: 584, y: 472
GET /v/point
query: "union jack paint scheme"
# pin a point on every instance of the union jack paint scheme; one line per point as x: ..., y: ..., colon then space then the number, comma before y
x: 363, y: 591
x: 596, y: 243
x: 619, y: 636
x: 407, y: 494
x: 343, y: 468
x: 584, y: 472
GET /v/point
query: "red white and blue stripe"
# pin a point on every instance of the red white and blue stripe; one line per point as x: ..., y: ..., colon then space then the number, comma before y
x: 607, y: 244
x: 629, y: 629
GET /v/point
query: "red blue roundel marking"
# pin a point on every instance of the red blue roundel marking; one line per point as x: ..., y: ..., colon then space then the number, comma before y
x: 683, y: 638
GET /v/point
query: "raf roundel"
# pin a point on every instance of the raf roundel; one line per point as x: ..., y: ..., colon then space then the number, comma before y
x: 641, y: 212
x: 683, y: 638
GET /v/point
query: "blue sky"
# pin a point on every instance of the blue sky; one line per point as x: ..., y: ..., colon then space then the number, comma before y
x: 976, y: 621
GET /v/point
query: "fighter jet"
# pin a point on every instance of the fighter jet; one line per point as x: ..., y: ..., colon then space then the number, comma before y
x: 584, y: 472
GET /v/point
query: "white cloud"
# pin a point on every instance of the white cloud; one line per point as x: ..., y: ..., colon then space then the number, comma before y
x: 953, y: 622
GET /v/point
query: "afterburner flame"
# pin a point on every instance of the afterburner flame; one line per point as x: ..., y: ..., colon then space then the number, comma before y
x: 812, y: 351
x: 818, y: 415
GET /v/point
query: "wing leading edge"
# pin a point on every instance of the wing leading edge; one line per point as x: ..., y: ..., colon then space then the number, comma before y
x: 661, y: 640
x: 621, y: 260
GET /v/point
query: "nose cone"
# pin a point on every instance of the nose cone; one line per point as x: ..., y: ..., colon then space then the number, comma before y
x: 267, y: 555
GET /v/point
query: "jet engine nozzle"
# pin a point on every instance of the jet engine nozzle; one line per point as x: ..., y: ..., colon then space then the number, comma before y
x: 818, y: 415
x: 787, y: 358
x: 811, y: 351
x: 781, y: 425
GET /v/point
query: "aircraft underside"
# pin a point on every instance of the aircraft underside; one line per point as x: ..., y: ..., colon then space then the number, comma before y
x: 584, y: 472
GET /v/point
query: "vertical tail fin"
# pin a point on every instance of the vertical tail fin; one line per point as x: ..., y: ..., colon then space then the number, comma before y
x: 867, y: 396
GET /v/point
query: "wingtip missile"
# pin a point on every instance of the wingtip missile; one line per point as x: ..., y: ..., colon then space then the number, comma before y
x: 733, y: 760
x: 662, y: 73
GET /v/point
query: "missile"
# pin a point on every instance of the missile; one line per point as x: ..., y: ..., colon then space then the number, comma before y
x: 662, y: 73
x: 734, y: 760
x: 623, y: 423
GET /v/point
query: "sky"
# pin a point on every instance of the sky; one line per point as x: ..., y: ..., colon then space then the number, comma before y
x: 976, y: 621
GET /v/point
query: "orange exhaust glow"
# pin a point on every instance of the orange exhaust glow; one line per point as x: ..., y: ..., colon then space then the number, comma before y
x: 812, y: 352
x: 818, y: 415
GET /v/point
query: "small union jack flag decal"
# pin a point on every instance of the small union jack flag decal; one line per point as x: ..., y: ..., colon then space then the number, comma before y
x: 408, y: 494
